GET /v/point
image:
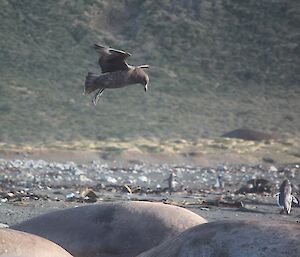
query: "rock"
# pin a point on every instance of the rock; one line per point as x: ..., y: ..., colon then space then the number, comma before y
x: 259, y: 185
x: 70, y: 196
x: 16, y: 243
x: 111, y: 180
x: 249, y: 134
x: 112, y: 229
x: 272, y: 168
x: 89, y: 196
x: 234, y: 239
x: 143, y: 178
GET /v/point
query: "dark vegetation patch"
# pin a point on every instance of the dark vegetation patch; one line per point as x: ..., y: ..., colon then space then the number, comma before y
x: 215, y: 66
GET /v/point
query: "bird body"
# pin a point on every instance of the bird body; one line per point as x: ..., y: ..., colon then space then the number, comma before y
x: 172, y: 183
x: 219, y: 183
x: 115, y: 79
x: 116, y: 72
x: 285, y: 197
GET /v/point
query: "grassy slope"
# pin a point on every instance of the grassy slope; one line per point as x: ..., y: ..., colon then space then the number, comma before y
x: 216, y: 66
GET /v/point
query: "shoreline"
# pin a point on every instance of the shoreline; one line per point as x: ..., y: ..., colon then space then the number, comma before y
x: 30, y: 187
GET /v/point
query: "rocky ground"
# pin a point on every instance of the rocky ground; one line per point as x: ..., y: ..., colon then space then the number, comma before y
x: 29, y: 187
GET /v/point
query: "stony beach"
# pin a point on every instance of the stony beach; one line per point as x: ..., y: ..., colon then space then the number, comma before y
x: 31, y: 186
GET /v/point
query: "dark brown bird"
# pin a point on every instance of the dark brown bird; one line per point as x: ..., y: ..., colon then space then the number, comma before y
x: 116, y: 72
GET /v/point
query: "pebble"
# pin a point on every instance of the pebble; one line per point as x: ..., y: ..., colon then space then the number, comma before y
x: 143, y: 178
x: 111, y: 180
x: 40, y: 174
x: 273, y: 169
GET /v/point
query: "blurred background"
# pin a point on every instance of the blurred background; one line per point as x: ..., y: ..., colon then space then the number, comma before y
x: 215, y: 66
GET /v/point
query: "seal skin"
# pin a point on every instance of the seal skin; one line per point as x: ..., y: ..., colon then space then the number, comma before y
x: 112, y: 229
x: 234, y: 239
x: 16, y: 243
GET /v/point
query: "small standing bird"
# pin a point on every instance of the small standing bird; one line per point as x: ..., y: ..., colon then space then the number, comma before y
x: 116, y: 72
x: 285, y: 197
x: 219, y: 183
x: 172, y: 183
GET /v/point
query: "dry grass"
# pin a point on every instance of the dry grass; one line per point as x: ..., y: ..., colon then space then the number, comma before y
x: 281, y: 151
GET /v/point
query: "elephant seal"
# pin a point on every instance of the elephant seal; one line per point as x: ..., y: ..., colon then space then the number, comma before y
x: 234, y: 239
x: 112, y: 229
x: 249, y: 134
x: 17, y: 243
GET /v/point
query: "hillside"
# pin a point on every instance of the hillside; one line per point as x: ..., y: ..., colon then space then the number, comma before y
x: 215, y: 66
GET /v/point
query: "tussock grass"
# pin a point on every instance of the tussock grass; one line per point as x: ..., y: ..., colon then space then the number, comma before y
x: 215, y: 66
x: 278, y: 151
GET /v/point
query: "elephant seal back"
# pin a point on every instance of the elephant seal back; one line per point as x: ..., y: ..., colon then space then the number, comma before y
x: 112, y: 229
x: 17, y: 243
x: 234, y: 239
